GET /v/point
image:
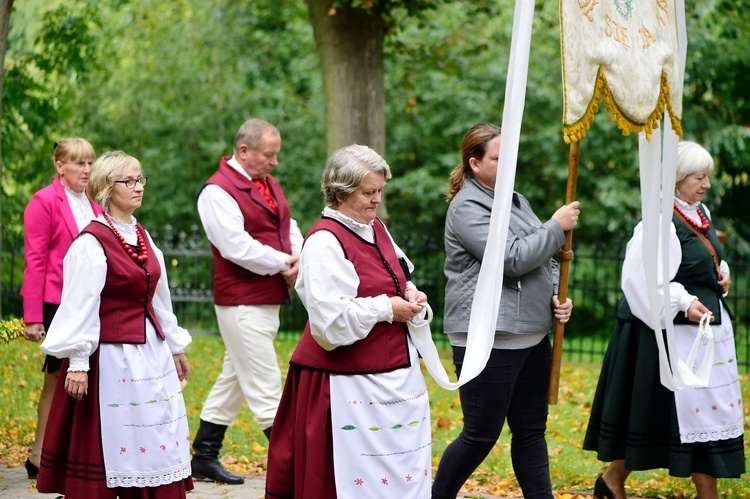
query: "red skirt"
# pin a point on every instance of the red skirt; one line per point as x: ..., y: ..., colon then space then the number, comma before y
x: 72, y: 460
x: 300, y: 456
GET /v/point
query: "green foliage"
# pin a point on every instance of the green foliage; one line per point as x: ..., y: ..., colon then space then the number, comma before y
x: 197, y: 81
x: 717, y: 108
x: 170, y: 83
x: 392, y: 11
x: 446, y: 72
x: 42, y: 96
x: 11, y: 329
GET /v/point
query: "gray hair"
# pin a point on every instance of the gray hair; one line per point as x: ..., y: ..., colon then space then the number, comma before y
x: 346, y: 169
x: 692, y: 158
x: 251, y: 134
x: 105, y: 170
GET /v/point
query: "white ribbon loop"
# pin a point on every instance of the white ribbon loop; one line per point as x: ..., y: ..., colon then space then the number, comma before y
x: 421, y: 336
x: 690, y: 375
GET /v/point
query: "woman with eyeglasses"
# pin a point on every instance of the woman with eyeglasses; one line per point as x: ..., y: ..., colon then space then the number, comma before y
x: 52, y: 219
x: 121, y: 428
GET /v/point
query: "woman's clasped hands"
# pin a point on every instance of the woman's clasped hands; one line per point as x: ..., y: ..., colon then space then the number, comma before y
x: 405, y: 310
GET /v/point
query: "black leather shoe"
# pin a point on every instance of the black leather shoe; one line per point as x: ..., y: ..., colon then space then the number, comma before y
x: 601, y: 490
x: 32, y: 470
x: 213, y: 470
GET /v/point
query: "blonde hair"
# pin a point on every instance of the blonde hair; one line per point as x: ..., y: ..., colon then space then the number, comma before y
x: 105, y: 171
x: 73, y: 149
x: 473, y: 145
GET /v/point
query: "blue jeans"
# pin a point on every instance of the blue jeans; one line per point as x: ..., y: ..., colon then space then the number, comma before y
x: 513, y: 386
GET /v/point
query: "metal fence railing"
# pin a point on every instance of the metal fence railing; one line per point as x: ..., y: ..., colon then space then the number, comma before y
x: 594, y: 286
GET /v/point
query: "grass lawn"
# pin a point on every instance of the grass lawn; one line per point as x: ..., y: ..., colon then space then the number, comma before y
x: 573, y: 470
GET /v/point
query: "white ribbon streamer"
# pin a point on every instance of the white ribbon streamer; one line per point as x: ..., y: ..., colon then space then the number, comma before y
x: 421, y: 336
x: 486, y: 302
x: 484, y: 307
x: 657, y: 169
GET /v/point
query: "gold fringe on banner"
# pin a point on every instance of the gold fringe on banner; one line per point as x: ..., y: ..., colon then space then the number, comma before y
x: 575, y: 132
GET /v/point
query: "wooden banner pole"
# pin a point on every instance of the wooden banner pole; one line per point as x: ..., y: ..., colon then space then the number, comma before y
x: 566, y: 255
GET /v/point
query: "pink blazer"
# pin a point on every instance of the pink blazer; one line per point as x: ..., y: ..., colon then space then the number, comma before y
x: 49, y: 230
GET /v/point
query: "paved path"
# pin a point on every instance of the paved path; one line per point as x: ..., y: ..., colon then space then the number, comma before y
x: 14, y: 484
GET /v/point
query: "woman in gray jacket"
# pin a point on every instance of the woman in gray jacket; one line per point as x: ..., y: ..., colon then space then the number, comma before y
x: 513, y: 385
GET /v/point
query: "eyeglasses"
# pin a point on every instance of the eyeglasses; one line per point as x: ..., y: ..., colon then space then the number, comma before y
x: 130, y: 183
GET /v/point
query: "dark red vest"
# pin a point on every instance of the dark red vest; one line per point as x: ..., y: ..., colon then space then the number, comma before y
x: 235, y: 285
x: 385, y: 348
x: 127, y: 297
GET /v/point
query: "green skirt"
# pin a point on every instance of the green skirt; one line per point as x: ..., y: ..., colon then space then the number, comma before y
x: 633, y: 416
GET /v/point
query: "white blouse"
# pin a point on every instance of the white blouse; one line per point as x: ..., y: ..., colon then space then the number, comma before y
x: 74, y: 332
x: 80, y: 206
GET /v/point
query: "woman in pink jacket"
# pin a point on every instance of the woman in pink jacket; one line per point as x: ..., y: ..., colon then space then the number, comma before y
x: 52, y: 219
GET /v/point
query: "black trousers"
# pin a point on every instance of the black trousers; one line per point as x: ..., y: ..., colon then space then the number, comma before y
x: 513, y: 386
x: 51, y: 364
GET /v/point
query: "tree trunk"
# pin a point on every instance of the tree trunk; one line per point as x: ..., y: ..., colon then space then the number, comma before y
x: 6, y: 7
x: 350, y: 47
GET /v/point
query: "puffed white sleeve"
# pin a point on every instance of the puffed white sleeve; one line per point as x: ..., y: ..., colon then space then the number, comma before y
x: 327, y: 286
x: 634, y: 278
x: 178, y: 338
x: 74, y: 332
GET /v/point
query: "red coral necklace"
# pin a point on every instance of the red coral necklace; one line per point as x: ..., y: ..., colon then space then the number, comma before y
x: 140, y: 259
x: 705, y: 222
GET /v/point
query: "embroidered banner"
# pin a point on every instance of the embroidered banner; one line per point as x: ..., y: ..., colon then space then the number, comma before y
x: 624, y: 52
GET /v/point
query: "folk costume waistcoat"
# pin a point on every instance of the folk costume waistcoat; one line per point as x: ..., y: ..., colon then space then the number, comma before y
x: 696, y: 271
x: 127, y: 297
x: 235, y: 285
x: 385, y: 348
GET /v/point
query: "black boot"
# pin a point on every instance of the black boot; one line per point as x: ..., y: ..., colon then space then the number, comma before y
x: 205, y: 463
x: 267, y: 433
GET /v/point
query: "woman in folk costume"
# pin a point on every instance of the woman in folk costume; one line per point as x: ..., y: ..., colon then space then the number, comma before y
x: 52, y: 219
x: 354, y: 416
x: 638, y: 424
x: 120, y: 428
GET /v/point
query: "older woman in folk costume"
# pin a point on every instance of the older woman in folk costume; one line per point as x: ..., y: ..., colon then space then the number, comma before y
x: 638, y: 424
x: 354, y: 416
x: 121, y: 429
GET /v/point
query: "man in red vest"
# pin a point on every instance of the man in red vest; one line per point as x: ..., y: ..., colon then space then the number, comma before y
x: 255, y: 244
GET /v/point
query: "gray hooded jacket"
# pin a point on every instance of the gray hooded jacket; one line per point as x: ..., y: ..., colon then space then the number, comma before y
x: 530, y: 273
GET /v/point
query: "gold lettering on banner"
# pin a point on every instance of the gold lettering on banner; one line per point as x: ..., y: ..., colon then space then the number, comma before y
x: 662, y: 6
x: 589, y: 6
x: 648, y: 37
x: 616, y: 31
